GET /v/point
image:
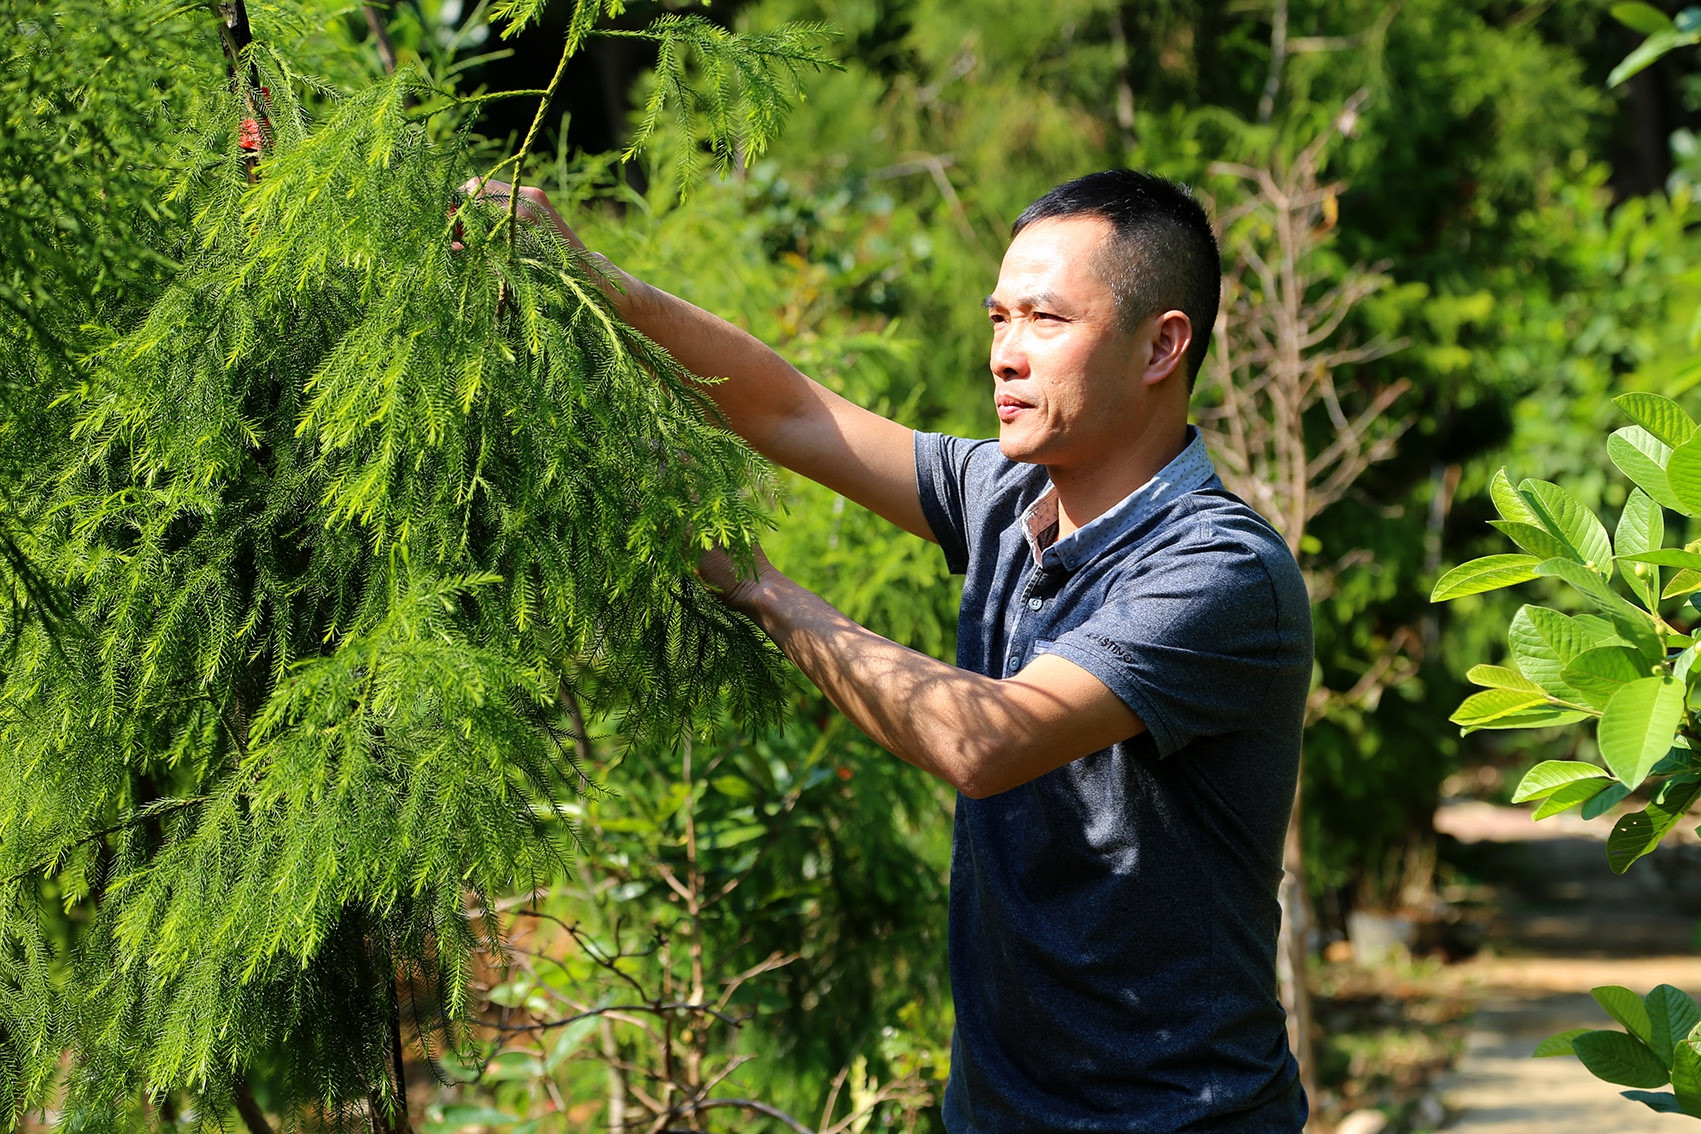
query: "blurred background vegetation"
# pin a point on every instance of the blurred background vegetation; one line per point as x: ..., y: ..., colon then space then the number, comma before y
x: 1490, y: 244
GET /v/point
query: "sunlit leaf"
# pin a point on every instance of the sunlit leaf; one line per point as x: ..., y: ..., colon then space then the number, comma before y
x: 1500, y: 677
x: 1659, y: 415
x: 1571, y: 795
x: 1684, y: 473
x: 1489, y: 573
x: 1625, y: 1007
x: 1643, y: 457
x: 1546, y: 777
x: 1569, y: 519
x: 1600, y: 672
x: 1637, y: 726
x: 1513, y: 507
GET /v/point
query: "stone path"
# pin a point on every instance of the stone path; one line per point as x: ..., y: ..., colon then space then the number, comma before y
x: 1562, y: 923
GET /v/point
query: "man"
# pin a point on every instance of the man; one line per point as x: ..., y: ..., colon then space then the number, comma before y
x: 1134, y: 654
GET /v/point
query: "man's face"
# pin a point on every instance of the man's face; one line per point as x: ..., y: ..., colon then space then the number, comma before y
x: 1067, y: 377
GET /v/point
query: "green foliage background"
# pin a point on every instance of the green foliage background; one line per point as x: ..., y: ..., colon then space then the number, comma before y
x: 426, y: 410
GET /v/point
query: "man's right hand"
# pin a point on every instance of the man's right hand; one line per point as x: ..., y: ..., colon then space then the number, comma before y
x: 535, y: 208
x: 780, y: 412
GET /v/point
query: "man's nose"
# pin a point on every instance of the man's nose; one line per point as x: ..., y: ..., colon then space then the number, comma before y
x: 1009, y: 359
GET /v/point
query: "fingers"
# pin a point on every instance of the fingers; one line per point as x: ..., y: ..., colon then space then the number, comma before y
x: 534, y: 205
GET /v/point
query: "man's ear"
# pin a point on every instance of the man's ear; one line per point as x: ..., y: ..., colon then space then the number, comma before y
x: 1172, y: 334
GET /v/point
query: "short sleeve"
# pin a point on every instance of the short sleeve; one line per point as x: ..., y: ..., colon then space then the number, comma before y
x: 1196, y: 636
x: 944, y: 476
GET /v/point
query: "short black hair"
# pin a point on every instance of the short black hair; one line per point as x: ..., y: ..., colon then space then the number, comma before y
x: 1161, y: 254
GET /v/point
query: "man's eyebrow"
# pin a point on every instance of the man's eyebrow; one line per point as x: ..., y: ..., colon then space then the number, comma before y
x: 1042, y: 299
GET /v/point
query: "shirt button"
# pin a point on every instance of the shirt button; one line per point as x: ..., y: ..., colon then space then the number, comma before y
x: 1035, y: 603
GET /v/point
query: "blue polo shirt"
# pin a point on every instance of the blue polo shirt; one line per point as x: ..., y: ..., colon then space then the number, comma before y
x: 1113, y: 923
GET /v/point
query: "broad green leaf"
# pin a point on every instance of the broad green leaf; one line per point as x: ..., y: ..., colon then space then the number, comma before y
x: 462, y: 1115
x: 1508, y: 502
x: 1489, y: 573
x: 1684, y: 663
x: 1631, y: 622
x: 1636, y: 834
x: 1559, y: 1044
x: 1637, y: 726
x: 1644, y: 18
x: 1620, y: 1058
x: 1671, y: 1014
x: 1659, y: 415
x: 1649, y: 50
x: 1600, y: 672
x: 1683, y: 583
x: 1642, y: 457
x: 1546, y: 716
x: 1535, y: 539
x: 1667, y: 557
x: 1571, y: 795
x: 1655, y: 1100
x: 1604, y: 802
x: 1641, y: 528
x: 1544, y: 642
x: 1686, y: 1076
x: 1625, y: 1007
x: 1543, y: 779
x: 568, y: 1040
x: 1684, y: 473
x: 1500, y: 677
x: 1491, y: 704
x: 1569, y: 519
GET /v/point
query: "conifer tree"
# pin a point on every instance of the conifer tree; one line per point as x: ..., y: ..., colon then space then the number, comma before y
x: 357, y: 503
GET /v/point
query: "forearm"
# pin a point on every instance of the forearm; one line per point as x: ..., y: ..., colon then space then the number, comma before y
x: 949, y: 722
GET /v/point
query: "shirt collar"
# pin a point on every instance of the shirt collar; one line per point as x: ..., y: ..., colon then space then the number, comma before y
x: 1190, y: 470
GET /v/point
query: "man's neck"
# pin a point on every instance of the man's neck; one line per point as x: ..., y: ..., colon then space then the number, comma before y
x: 1086, y: 493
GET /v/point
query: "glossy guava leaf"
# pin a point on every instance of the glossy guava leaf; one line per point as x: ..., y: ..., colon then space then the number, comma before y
x: 1667, y: 557
x: 1535, y: 539
x: 1649, y: 50
x: 1602, y: 671
x: 1608, y: 799
x: 1479, y: 709
x: 1683, y: 583
x: 1489, y: 573
x: 1628, y: 620
x: 1637, y: 726
x: 1644, y: 18
x: 1500, y: 677
x: 1686, y: 1078
x: 1655, y: 1100
x: 1636, y: 834
x: 1544, y: 642
x: 1641, y: 528
x: 1508, y: 502
x: 1558, y: 1044
x: 1625, y: 1007
x: 1542, y: 716
x: 1642, y: 457
x: 1683, y: 472
x: 1546, y: 777
x: 1620, y: 1058
x: 1659, y: 415
x: 1570, y: 520
x: 1671, y: 1015
x: 1641, y: 525
x: 1573, y: 794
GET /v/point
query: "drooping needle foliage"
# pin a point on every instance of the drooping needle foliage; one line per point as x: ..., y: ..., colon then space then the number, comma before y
x: 359, y: 505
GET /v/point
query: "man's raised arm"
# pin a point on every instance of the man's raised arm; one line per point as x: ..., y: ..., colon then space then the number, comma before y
x: 782, y: 413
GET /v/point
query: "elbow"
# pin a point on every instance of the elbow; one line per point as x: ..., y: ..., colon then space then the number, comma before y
x: 980, y: 771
